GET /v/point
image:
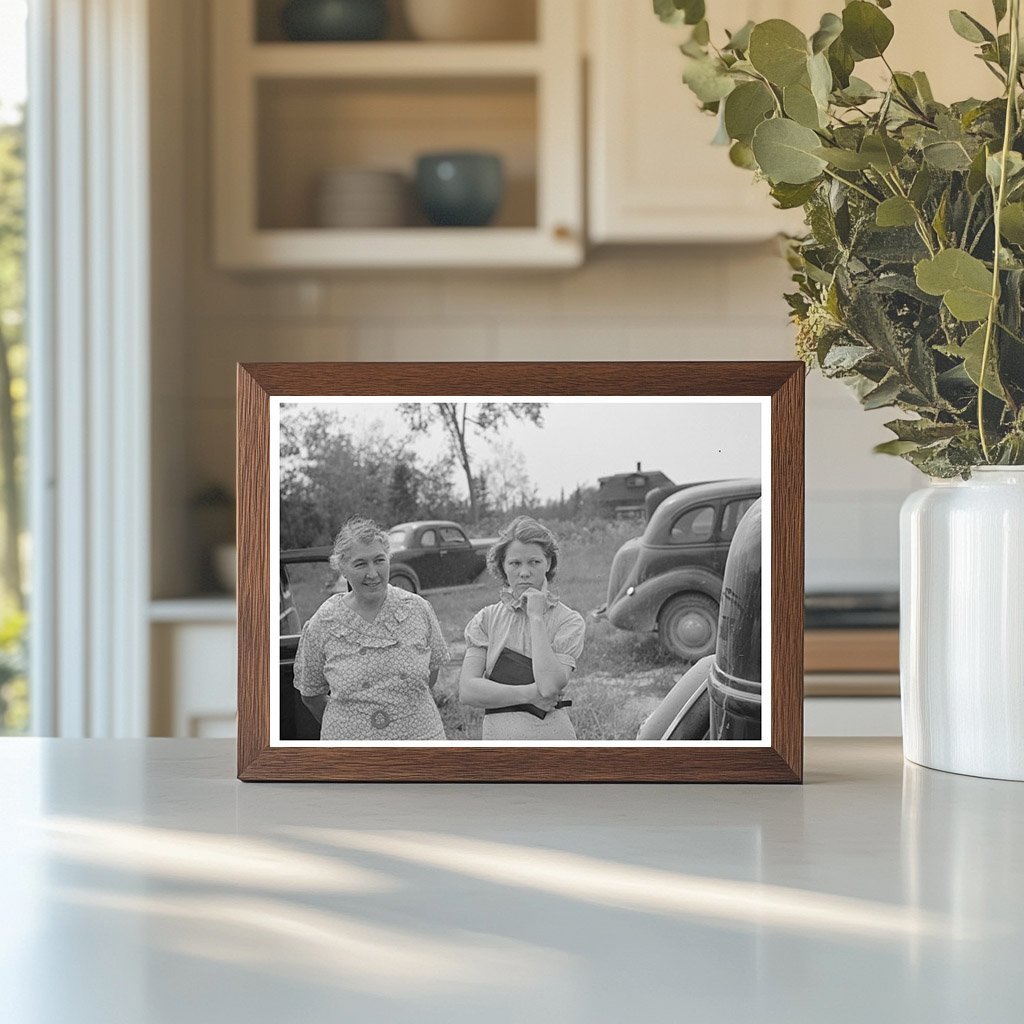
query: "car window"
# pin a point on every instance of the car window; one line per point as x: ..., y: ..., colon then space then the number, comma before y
x: 452, y: 535
x: 428, y: 539
x: 308, y: 585
x: 732, y: 515
x: 694, y: 525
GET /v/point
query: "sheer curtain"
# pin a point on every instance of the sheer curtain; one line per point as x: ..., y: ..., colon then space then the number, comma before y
x: 88, y: 315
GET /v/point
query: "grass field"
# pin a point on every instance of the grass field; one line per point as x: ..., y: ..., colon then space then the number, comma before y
x: 621, y: 677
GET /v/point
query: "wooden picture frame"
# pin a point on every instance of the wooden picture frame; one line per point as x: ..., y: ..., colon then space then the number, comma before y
x: 778, y: 390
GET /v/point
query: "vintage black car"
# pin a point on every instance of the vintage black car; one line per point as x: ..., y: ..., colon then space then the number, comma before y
x: 435, y: 553
x: 670, y: 579
x: 719, y: 698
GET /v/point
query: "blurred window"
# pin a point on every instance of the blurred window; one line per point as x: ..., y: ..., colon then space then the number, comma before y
x: 14, y: 536
x: 732, y: 515
x: 694, y: 525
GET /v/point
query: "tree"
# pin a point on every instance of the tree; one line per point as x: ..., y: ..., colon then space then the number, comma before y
x: 457, y: 419
x: 12, y: 353
x: 403, y: 501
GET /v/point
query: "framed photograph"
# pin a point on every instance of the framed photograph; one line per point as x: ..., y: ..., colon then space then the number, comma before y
x: 513, y: 572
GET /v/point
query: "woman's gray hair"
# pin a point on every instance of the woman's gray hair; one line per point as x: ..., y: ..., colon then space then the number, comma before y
x: 527, y: 531
x: 358, y: 530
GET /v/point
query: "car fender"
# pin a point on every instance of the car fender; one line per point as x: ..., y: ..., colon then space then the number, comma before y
x: 399, y: 565
x: 639, y: 611
x: 688, y: 699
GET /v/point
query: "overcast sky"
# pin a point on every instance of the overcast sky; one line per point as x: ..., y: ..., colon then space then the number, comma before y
x: 579, y: 442
x: 12, y: 55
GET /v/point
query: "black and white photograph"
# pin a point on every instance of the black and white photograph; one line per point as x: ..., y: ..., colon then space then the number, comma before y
x: 499, y: 571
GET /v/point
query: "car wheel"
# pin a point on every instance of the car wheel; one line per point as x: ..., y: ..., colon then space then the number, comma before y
x: 404, y: 581
x: 688, y: 626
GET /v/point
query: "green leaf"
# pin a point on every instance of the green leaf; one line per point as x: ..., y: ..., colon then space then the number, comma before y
x: 963, y: 281
x: 841, y: 60
x: 866, y: 29
x: 800, y: 105
x: 946, y: 156
x: 1011, y: 225
x: 785, y: 152
x: 883, y: 153
x: 994, y: 167
x: 739, y: 41
x: 885, y: 394
x: 924, y: 89
x: 778, y: 50
x: 742, y: 155
x: 829, y: 30
x: 789, y: 197
x: 976, y: 174
x: 921, y: 185
x: 745, y: 108
x: 820, y: 75
x: 971, y: 352
x: 857, y: 91
x: 895, y: 447
x: 923, y: 431
x: 896, y: 212
x: 676, y: 12
x: 939, y: 220
x: 968, y: 28
x: 844, y: 159
x: 707, y: 80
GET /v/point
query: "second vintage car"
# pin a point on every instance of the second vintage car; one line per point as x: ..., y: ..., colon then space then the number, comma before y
x: 670, y: 578
x: 435, y: 553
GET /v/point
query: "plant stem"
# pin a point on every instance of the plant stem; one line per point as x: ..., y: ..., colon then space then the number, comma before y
x: 850, y: 184
x: 922, y: 225
x: 993, y: 308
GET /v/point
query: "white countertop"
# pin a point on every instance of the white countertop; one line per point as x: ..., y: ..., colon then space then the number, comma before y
x: 143, y: 884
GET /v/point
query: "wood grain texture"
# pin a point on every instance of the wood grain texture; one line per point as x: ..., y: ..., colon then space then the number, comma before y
x: 852, y: 650
x: 781, y: 762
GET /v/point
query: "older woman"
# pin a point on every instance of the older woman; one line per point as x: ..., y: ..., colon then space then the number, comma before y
x: 368, y: 659
x: 529, y: 621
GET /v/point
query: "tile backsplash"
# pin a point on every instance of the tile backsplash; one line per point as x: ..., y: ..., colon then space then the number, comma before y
x: 715, y: 302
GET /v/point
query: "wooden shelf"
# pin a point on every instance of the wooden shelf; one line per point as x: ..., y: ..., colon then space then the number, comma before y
x: 401, y: 247
x: 392, y: 60
x: 852, y: 650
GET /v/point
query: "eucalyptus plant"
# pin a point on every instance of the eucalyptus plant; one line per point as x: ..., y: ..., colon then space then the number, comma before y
x: 910, y: 278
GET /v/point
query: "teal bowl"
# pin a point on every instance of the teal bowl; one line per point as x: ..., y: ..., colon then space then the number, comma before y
x: 332, y: 21
x: 462, y: 190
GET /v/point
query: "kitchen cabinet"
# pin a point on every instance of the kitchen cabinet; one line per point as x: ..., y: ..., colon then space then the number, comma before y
x: 286, y: 113
x: 653, y: 175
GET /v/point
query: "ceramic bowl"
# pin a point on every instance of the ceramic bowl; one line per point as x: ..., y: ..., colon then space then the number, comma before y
x: 334, y: 20
x: 460, y: 189
x: 471, y: 20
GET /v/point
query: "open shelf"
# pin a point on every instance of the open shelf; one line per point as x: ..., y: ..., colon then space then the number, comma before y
x: 287, y: 113
x: 519, y: 19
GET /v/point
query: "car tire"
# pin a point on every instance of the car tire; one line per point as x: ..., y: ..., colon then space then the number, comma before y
x: 688, y: 626
x: 405, y: 580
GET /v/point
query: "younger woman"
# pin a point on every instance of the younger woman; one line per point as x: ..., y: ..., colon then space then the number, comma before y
x: 529, y: 620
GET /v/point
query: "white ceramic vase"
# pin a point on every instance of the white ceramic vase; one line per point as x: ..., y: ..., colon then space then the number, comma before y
x: 962, y: 624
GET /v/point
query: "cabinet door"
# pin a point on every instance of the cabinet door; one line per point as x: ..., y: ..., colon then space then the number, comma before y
x: 653, y: 174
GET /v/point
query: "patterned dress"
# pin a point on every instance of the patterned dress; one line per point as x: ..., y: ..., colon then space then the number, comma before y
x: 375, y: 674
x: 506, y: 625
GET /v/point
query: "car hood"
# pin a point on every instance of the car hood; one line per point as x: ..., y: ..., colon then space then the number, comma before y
x: 621, y: 573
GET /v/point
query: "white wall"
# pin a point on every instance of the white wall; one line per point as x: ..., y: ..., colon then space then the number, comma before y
x: 716, y: 302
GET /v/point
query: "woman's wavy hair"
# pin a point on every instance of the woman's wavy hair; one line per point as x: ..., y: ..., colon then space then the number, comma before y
x: 527, y: 531
x: 358, y: 530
